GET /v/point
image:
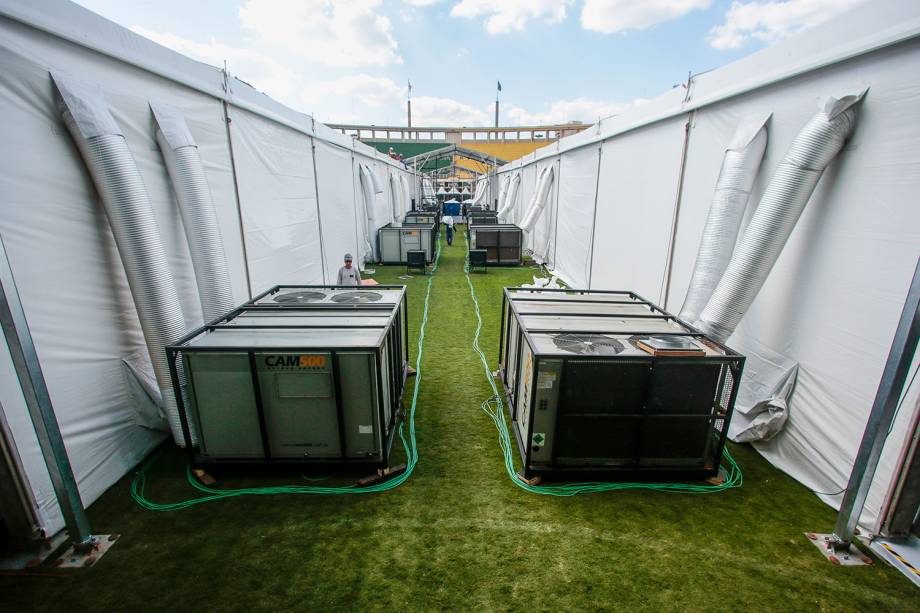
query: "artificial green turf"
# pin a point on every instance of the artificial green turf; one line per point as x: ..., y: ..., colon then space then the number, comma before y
x: 459, y: 535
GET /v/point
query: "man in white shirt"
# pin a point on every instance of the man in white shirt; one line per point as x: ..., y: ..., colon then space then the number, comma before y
x: 449, y: 221
x: 349, y: 275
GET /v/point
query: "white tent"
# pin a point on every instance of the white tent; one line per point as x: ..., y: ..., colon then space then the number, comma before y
x: 632, y: 195
x: 288, y: 201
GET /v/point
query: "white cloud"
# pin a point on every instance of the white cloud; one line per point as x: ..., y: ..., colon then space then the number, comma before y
x: 609, y: 16
x: 368, y: 91
x: 511, y: 15
x: 435, y: 111
x: 769, y: 21
x: 421, y: 2
x: 342, y: 34
x: 587, y: 110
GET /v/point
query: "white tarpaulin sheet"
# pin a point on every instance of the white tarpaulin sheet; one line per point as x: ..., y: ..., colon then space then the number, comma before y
x: 575, y: 217
x: 274, y: 168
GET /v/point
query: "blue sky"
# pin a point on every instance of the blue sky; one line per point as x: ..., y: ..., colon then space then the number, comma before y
x: 558, y: 60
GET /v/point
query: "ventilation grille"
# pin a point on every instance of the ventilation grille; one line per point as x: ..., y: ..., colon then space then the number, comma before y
x: 588, y: 344
x: 357, y: 297
x: 299, y: 297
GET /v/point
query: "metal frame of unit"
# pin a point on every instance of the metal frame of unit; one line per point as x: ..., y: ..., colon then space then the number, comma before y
x: 718, y: 418
x: 395, y: 331
x: 430, y: 249
x: 502, y: 232
x: 422, y: 218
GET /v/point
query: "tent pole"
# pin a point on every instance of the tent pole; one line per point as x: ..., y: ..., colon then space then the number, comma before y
x: 838, y: 546
x: 884, y: 410
x: 41, y: 412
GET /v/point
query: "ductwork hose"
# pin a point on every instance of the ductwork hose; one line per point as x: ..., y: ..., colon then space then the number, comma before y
x: 538, y: 202
x: 368, y: 187
x: 199, y: 217
x: 510, y: 197
x: 502, y: 192
x: 729, y: 201
x: 813, y: 148
x: 130, y: 214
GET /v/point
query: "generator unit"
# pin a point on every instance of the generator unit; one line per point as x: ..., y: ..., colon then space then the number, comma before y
x: 604, y: 384
x: 503, y: 243
x: 394, y: 240
x: 300, y: 374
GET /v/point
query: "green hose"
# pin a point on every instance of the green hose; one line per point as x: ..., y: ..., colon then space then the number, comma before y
x: 410, y: 446
x: 494, y: 408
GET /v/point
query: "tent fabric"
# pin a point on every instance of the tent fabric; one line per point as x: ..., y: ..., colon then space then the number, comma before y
x: 89, y: 342
x: 833, y: 299
x: 274, y: 169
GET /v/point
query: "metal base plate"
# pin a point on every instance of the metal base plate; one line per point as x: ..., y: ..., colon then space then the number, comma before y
x: 34, y: 554
x: 81, y: 559
x: 848, y: 556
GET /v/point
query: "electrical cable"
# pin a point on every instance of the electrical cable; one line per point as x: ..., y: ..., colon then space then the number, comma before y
x: 897, y: 410
x: 494, y: 408
x: 410, y: 446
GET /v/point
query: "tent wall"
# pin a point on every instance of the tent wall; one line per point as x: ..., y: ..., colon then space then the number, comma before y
x: 575, y: 214
x: 833, y: 299
x: 67, y: 268
x: 274, y: 168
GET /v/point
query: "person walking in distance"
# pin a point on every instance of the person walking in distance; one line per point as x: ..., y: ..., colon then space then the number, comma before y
x: 348, y: 274
x: 449, y: 222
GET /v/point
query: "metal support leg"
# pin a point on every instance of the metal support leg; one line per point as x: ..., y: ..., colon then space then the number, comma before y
x: 884, y: 410
x: 41, y: 411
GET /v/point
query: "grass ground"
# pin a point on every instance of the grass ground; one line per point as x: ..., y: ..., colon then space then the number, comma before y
x: 459, y: 535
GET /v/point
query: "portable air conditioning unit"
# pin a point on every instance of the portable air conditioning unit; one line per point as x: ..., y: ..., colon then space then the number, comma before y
x: 422, y: 217
x: 503, y: 243
x: 395, y: 241
x: 300, y: 374
x: 609, y: 385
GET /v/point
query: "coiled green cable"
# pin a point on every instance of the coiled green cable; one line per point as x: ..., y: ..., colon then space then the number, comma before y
x: 410, y: 446
x: 494, y: 408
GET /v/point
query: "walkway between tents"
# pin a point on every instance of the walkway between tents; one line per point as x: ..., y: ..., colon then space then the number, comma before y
x: 459, y: 535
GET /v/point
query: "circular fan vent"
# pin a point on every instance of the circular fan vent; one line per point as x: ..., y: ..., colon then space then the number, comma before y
x: 357, y: 297
x: 588, y: 344
x: 299, y: 297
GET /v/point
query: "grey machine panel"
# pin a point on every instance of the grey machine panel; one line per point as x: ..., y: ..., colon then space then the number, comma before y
x: 357, y: 372
x: 298, y: 398
x: 224, y: 404
x: 546, y: 398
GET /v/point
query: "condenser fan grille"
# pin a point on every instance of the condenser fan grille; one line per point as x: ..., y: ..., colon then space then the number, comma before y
x: 588, y: 344
x: 299, y: 297
x: 357, y: 297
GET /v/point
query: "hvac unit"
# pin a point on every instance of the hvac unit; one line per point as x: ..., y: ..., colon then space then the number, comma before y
x: 482, y: 218
x: 422, y: 217
x: 395, y: 240
x: 300, y: 374
x: 606, y: 384
x: 502, y: 242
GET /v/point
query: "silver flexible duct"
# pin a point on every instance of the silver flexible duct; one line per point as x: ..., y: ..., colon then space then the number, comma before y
x: 729, y: 201
x: 503, y: 192
x: 510, y: 197
x: 368, y: 188
x: 787, y: 193
x: 540, y: 197
x: 199, y: 217
x: 130, y: 213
